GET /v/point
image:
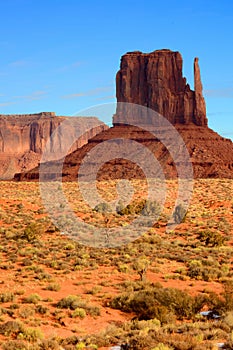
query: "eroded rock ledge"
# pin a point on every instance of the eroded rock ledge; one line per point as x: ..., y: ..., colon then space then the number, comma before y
x: 155, y: 80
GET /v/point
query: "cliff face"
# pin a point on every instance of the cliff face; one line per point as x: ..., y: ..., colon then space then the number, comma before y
x: 23, y: 138
x: 24, y: 133
x: 152, y: 80
x: 211, y: 155
x: 155, y: 80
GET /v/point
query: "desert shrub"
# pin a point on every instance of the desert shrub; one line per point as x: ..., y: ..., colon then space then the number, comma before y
x: 53, y: 287
x: 179, y: 214
x: 160, y: 303
x: 206, y: 270
x: 228, y: 319
x: 227, y: 295
x: 70, y: 302
x: 14, y: 306
x: 73, y: 302
x: 69, y: 246
x: 43, y: 310
x: 141, y: 265
x: 92, y: 310
x: 43, y: 276
x: 161, y: 346
x: 26, y: 311
x: 79, y: 312
x: 195, y: 269
x: 73, y: 340
x: 151, y: 208
x: 94, y: 290
x: 15, y: 345
x: 122, y: 267
x: 32, y: 231
x: 32, y: 299
x: 11, y: 328
x: 222, y: 304
x: 31, y: 334
x: 49, y: 344
x: 152, y: 324
x: 27, y: 262
x: 133, y: 208
x: 210, y: 238
x: 103, y: 208
x: 6, y: 297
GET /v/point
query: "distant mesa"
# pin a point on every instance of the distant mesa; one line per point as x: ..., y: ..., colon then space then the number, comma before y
x: 23, y: 138
x: 154, y: 80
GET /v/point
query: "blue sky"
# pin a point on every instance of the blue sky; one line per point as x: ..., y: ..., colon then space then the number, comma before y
x: 62, y: 56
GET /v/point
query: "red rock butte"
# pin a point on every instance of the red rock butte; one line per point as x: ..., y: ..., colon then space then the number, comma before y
x: 154, y: 80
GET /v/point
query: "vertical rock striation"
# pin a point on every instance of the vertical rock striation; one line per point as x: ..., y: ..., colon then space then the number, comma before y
x: 23, y: 138
x: 155, y: 80
x: 200, y: 107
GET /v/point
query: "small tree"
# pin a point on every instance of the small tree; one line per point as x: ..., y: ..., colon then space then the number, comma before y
x: 141, y: 265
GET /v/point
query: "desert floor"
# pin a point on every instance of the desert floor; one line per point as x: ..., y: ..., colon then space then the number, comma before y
x: 58, y: 293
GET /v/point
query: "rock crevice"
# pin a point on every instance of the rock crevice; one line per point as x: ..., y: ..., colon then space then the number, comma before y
x: 23, y: 138
x: 155, y: 80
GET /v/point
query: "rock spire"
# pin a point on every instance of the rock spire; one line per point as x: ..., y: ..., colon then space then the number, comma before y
x: 155, y: 80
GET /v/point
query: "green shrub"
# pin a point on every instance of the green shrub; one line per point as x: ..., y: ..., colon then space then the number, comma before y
x: 73, y: 302
x: 133, y: 208
x: 11, y: 328
x: 6, y: 297
x: 151, y: 208
x: 32, y: 299
x: 53, y: 287
x: 49, y: 344
x: 206, y: 270
x: 211, y: 239
x: 43, y: 310
x: 227, y: 295
x: 160, y: 303
x: 79, y: 312
x: 92, y: 310
x: 32, y: 231
x: 179, y: 214
x: 31, y: 334
x: 141, y: 265
x: 103, y: 208
x: 195, y: 269
x: 27, y: 311
x: 80, y: 346
x: 70, y: 302
x: 15, y: 345
x: 228, y: 319
x: 161, y: 346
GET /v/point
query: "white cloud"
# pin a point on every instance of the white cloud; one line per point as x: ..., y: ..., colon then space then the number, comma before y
x: 36, y: 95
x: 5, y: 104
x: 109, y: 97
x: 91, y: 92
x: 69, y: 67
x: 219, y: 93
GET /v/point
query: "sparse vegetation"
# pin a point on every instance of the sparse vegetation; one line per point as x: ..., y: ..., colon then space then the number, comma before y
x: 193, y: 265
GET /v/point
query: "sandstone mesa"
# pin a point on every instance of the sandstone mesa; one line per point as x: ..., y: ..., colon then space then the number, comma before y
x: 23, y: 138
x: 154, y: 80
